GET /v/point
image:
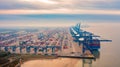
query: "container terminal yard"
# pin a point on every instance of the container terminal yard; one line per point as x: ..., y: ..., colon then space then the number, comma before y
x: 70, y: 42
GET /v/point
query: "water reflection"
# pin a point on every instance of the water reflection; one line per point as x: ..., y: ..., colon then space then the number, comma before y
x: 88, y: 62
x: 96, y: 54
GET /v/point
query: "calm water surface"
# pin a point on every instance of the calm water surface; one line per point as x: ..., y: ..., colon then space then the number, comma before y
x: 109, y: 52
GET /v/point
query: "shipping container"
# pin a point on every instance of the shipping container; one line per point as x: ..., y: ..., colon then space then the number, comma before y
x: 95, y: 44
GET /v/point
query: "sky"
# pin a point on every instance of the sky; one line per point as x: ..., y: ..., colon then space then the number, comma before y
x: 57, y: 12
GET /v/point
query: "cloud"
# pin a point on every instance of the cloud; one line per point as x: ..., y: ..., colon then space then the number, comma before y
x: 20, y: 4
x: 59, y: 6
x: 61, y: 11
x: 53, y: 4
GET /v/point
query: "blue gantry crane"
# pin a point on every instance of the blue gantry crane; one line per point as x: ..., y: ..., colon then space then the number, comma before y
x: 89, y: 40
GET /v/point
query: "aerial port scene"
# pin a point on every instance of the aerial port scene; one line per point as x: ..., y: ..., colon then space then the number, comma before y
x: 59, y: 33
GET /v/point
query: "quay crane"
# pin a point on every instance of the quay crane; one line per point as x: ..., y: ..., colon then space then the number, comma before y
x: 89, y: 40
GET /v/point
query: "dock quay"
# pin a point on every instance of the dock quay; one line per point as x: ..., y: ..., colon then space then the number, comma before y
x: 71, y: 42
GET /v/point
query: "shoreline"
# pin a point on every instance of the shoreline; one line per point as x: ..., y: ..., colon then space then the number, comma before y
x: 28, y: 57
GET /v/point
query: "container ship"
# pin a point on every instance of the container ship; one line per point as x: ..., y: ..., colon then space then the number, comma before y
x: 88, y: 39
